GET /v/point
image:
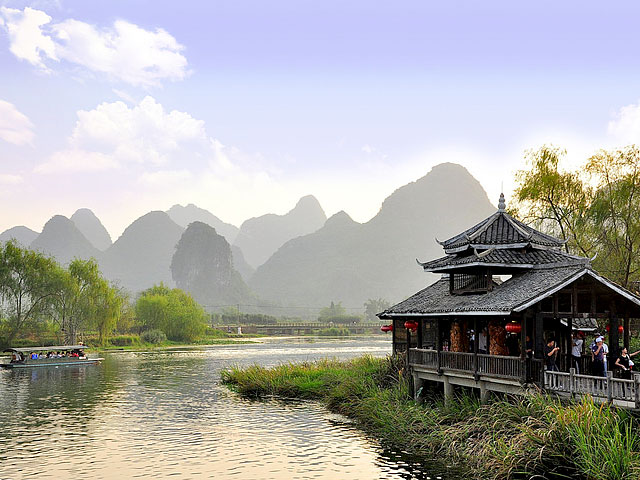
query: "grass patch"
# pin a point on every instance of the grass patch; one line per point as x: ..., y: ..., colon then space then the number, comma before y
x: 508, y: 438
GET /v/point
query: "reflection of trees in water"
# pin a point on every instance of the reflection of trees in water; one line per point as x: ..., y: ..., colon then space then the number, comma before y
x: 34, y: 397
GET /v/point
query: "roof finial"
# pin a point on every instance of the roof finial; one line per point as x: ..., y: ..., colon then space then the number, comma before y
x: 501, y: 203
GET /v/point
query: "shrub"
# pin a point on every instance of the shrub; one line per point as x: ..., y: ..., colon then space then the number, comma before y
x: 124, y: 340
x: 153, y: 336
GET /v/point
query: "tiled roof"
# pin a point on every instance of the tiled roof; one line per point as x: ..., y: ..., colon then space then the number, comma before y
x: 513, y: 258
x: 505, y: 297
x: 500, y: 230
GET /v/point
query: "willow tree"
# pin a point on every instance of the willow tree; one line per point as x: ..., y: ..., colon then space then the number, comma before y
x: 615, y: 209
x: 555, y: 200
x: 84, y: 300
x: 28, y: 283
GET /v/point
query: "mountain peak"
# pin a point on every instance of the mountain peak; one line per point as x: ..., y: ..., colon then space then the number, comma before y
x: 260, y: 237
x: 21, y: 234
x: 190, y: 213
x: 341, y: 218
x: 92, y: 228
x: 61, y: 238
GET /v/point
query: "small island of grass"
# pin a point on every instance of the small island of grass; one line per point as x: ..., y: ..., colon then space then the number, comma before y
x: 507, y: 438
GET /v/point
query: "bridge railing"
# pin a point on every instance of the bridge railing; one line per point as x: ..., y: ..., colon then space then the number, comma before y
x: 596, y: 386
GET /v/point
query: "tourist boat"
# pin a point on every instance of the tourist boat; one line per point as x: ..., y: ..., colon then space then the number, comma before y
x: 37, y: 357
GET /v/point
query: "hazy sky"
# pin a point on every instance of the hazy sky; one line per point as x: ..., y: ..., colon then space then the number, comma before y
x: 242, y: 107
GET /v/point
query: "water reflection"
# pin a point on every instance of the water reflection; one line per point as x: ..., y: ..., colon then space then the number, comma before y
x: 164, y: 414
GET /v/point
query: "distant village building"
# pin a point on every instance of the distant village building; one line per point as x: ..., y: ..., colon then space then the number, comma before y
x: 506, y: 291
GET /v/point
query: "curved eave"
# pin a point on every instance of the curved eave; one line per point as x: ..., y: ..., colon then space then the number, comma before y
x: 608, y: 283
x: 499, y: 246
x: 448, y: 268
x: 499, y: 313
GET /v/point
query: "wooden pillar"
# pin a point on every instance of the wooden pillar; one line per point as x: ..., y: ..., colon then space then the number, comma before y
x: 439, y: 344
x: 476, y: 337
x: 408, y: 345
x: 614, y: 338
x: 627, y: 331
x: 393, y: 336
x: 420, y: 333
x: 539, y: 334
x: 484, y: 393
x: 448, y: 390
x: 523, y: 347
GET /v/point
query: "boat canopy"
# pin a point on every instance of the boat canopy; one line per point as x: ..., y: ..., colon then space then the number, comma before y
x: 46, y: 349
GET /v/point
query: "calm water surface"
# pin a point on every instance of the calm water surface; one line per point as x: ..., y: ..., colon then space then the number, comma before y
x: 165, y: 415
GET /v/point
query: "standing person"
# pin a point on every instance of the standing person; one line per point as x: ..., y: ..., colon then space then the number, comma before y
x: 576, y: 352
x: 529, y: 344
x: 623, y: 362
x: 597, y: 358
x: 482, y: 341
x: 605, y: 349
x: 550, y: 354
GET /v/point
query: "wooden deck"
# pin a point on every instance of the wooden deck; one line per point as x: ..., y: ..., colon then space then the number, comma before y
x: 515, y: 375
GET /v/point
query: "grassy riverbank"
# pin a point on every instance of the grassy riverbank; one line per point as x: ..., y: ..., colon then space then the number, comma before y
x: 508, y: 438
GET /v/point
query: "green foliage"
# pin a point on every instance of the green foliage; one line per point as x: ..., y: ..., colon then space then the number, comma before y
x: 373, y: 307
x: 153, y: 336
x: 28, y: 281
x: 596, y: 208
x: 341, y: 319
x: 125, y: 340
x: 84, y: 299
x: 174, y: 312
x: 333, y: 310
x: 530, y: 436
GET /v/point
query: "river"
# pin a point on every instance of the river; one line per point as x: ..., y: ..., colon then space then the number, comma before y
x: 164, y: 414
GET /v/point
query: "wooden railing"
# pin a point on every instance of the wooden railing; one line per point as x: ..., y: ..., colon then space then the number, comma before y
x: 427, y: 358
x: 500, y: 366
x: 489, y: 365
x: 603, y: 387
x: 457, y: 361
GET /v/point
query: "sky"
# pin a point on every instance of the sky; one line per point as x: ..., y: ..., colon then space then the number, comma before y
x: 242, y: 107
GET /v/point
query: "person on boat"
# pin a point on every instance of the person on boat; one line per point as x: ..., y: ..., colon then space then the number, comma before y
x: 34, y: 356
x: 550, y: 354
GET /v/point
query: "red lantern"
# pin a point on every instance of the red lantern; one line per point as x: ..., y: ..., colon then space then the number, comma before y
x: 620, y: 329
x: 411, y: 325
x: 607, y: 328
x: 387, y: 328
x: 513, y: 327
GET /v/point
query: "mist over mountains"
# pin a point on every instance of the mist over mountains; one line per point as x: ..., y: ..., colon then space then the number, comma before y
x: 300, y: 258
x: 352, y: 262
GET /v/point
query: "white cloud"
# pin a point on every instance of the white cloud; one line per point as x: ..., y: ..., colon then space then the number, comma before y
x: 8, y: 179
x: 114, y: 134
x: 15, y: 126
x: 124, y: 51
x: 626, y: 125
x: 25, y: 34
x: 166, y: 178
x: 76, y: 161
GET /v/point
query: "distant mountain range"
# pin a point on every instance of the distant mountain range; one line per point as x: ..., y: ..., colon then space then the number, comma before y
x: 351, y: 262
x: 301, y: 257
x: 260, y: 237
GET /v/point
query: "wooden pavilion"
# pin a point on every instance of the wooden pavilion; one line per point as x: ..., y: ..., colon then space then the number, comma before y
x: 514, y: 286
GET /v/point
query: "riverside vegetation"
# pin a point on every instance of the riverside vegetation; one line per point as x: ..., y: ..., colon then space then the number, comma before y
x: 508, y: 438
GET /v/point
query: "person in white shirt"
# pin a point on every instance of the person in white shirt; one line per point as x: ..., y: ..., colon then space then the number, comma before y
x: 576, y: 352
